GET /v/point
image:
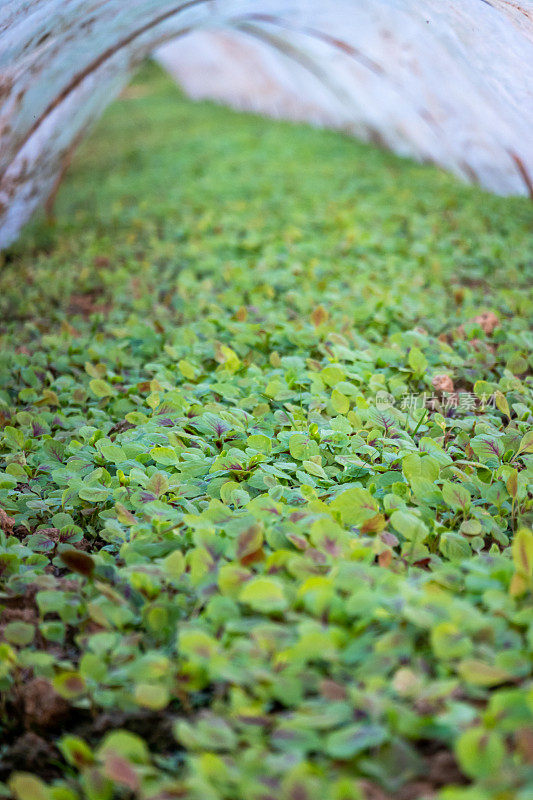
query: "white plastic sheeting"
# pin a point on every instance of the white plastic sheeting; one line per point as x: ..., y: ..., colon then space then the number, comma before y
x: 449, y: 81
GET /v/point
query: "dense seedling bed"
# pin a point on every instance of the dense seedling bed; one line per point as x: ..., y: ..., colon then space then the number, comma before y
x: 265, y: 472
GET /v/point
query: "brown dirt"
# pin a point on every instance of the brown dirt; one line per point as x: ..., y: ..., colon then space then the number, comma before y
x: 87, y: 303
x: 6, y: 522
x: 442, y: 383
x: 43, y: 707
x: 30, y: 753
